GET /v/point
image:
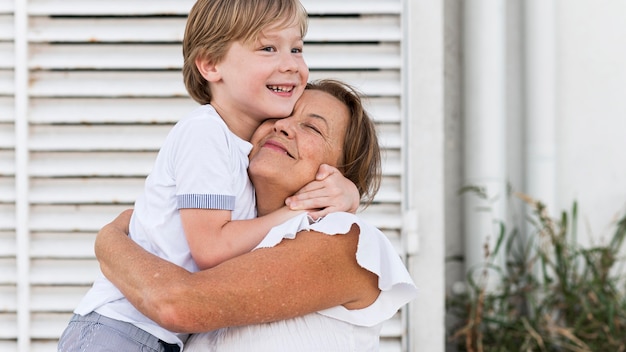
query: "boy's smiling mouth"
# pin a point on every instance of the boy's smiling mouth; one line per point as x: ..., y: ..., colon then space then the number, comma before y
x: 281, y: 89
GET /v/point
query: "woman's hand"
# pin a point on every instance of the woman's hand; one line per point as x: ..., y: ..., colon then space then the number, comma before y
x: 330, y: 192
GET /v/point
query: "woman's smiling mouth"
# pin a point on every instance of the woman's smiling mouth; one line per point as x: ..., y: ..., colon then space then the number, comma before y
x: 278, y: 147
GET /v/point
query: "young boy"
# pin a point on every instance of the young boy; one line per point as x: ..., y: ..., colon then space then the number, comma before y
x: 244, y: 63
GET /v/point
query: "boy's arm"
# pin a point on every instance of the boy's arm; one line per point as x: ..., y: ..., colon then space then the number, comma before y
x: 214, y: 238
x: 330, y: 192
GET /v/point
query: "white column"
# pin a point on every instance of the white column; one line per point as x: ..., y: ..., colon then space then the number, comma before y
x: 21, y: 176
x: 540, y: 96
x: 423, y: 104
x: 484, y: 104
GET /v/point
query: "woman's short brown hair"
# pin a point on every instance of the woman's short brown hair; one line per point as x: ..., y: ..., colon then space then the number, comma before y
x: 361, y: 152
x: 213, y: 25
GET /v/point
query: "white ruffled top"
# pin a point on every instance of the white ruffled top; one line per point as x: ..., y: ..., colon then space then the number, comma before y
x: 332, y: 329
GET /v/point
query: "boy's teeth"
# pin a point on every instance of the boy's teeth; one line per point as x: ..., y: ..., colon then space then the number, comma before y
x: 280, y: 89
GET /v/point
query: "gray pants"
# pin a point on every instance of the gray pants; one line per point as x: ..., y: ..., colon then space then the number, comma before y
x: 94, y: 332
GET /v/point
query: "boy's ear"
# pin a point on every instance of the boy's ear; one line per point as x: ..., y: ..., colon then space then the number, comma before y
x: 207, y: 69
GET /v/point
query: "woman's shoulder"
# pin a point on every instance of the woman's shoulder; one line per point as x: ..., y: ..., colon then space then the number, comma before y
x: 375, y: 253
x: 340, y: 223
x: 331, y: 224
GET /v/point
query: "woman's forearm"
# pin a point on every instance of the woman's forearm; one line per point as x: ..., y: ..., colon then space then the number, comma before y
x: 135, y: 272
x: 300, y: 276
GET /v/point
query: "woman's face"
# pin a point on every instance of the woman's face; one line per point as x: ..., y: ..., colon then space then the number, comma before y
x: 289, y: 151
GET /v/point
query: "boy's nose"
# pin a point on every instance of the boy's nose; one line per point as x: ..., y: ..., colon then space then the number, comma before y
x: 288, y: 62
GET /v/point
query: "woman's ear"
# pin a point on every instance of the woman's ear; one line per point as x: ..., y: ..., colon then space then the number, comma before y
x: 207, y: 69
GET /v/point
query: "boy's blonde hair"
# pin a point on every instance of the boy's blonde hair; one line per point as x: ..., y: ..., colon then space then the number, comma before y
x: 214, y: 24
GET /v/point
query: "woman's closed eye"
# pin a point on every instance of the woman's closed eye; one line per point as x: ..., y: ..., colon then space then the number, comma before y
x: 313, y: 128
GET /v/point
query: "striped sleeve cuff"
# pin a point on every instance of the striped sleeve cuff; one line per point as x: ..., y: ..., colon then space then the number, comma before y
x: 206, y: 201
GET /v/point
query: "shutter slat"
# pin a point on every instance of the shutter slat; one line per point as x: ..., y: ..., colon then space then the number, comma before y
x: 90, y: 218
x: 86, y: 191
x: 390, y: 345
x: 6, y: 82
x: 7, y: 7
x: 127, y: 164
x: 76, y: 245
x: 363, y: 29
x: 7, y: 109
x: 7, y: 59
x: 7, y: 217
x: 117, y: 110
x: 384, y: 110
x: 8, y: 271
x: 109, y: 7
x: 78, y: 218
x: 8, y: 330
x: 389, y: 136
x: 8, y: 297
x: 128, y: 137
x: 51, y: 344
x: 98, y: 138
x: 107, y: 84
x: 48, y: 325
x: 167, y: 84
x: 7, y: 190
x: 382, y: 221
x: 392, y: 162
x: 7, y: 32
x: 169, y: 56
x: 152, y: 110
x: 94, y: 164
x: 7, y: 136
x: 7, y: 245
x: 181, y: 7
x: 171, y: 29
x: 103, y: 30
x: 63, y: 272
x: 57, y: 298
x: 321, y: 7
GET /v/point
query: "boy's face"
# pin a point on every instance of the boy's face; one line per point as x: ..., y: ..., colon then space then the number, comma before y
x: 263, y: 78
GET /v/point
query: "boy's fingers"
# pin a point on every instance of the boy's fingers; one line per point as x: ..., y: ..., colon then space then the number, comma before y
x: 324, y: 171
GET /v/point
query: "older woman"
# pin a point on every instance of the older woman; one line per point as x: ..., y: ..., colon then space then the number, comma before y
x: 322, y: 286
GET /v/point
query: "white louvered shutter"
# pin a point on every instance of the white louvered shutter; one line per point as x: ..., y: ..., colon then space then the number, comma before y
x: 103, y: 89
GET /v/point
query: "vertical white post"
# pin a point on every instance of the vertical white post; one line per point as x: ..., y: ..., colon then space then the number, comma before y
x: 423, y: 104
x: 484, y: 102
x: 540, y: 95
x: 21, y: 175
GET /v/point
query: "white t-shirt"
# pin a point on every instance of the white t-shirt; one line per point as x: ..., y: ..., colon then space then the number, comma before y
x: 202, y: 165
x: 334, y: 329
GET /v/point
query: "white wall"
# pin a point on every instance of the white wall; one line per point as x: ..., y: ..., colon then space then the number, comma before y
x: 590, y: 112
x: 591, y: 88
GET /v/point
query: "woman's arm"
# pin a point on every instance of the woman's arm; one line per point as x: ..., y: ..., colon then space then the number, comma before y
x: 314, y: 271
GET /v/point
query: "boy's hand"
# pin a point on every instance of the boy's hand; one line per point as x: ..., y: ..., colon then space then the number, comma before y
x: 330, y: 192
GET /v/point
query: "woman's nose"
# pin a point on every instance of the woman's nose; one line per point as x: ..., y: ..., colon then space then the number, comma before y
x: 284, y: 127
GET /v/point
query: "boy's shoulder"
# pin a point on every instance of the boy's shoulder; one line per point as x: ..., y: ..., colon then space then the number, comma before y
x: 203, y: 114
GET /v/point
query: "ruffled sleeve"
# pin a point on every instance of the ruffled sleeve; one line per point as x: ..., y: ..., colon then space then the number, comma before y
x: 374, y: 253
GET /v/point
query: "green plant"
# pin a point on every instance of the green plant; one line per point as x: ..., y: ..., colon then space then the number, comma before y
x: 551, y: 294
